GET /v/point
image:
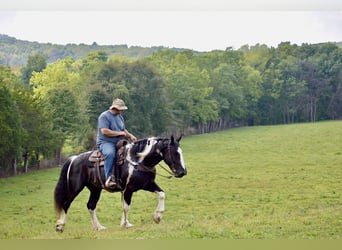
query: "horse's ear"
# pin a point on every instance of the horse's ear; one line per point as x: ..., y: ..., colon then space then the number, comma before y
x: 179, y: 138
x: 172, y: 140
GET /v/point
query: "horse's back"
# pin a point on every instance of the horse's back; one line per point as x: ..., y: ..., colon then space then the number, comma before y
x: 82, y: 159
x: 79, y: 166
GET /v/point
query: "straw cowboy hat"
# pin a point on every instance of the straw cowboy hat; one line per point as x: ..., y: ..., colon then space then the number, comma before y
x: 118, y: 104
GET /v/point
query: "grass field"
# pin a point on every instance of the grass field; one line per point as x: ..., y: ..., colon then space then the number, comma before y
x: 268, y: 182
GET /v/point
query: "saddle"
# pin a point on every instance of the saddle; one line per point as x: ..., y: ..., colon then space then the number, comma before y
x: 97, y: 157
x: 97, y: 160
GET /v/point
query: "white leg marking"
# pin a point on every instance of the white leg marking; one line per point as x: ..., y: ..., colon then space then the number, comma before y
x: 96, y: 224
x: 124, y: 220
x: 60, y: 223
x: 158, y: 213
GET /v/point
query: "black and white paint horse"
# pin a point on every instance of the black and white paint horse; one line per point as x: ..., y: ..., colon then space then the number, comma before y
x: 137, y: 173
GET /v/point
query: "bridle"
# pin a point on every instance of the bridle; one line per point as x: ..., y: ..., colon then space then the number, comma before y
x: 141, y: 167
x: 171, y: 174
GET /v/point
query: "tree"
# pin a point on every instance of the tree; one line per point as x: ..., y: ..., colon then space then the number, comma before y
x: 252, y: 89
x: 35, y: 63
x: 188, y: 90
x: 93, y: 58
x: 257, y: 56
x: 145, y: 94
x: 33, y: 142
x: 268, y: 105
x: 59, y: 90
x: 283, y: 90
x: 65, y: 116
x: 228, y: 92
x: 330, y: 69
x: 11, y: 130
x: 292, y: 89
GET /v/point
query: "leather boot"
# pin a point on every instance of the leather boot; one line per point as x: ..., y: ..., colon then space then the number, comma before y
x: 117, y: 177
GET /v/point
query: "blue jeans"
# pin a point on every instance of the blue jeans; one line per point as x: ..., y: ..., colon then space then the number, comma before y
x: 108, y: 150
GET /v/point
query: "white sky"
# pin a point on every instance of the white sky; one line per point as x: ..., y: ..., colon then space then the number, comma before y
x: 182, y: 27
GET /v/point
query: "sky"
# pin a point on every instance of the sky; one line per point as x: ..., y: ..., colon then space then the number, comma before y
x: 203, y: 28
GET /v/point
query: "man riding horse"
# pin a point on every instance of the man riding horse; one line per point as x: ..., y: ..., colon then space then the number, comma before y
x: 136, y: 169
x: 110, y: 129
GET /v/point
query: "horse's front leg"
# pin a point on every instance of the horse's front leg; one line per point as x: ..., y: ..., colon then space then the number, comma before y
x: 96, y: 224
x: 158, y: 213
x: 127, y: 198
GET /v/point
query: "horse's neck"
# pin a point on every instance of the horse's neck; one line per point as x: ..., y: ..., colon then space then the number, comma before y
x: 152, y: 160
x: 148, y: 159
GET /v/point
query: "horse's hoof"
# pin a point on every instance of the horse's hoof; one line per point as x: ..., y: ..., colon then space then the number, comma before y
x: 157, y: 218
x: 158, y: 215
x: 60, y: 228
x: 127, y: 225
x: 100, y: 228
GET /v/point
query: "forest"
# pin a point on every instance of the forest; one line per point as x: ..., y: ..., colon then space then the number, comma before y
x: 49, y: 109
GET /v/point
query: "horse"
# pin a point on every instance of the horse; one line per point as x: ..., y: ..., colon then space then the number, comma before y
x: 138, y: 172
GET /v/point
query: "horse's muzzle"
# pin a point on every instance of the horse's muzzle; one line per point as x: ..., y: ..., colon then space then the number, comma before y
x: 180, y: 174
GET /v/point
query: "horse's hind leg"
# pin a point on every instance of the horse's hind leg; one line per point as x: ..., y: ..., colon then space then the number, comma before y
x: 60, y: 223
x: 91, y: 205
x: 62, y: 213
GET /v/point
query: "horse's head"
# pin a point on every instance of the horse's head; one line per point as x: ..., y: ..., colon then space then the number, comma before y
x: 173, y: 156
x: 150, y: 151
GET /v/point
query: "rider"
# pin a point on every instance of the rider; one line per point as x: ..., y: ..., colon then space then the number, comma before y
x: 110, y: 129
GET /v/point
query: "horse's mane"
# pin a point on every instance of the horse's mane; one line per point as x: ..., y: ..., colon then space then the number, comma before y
x: 140, y: 146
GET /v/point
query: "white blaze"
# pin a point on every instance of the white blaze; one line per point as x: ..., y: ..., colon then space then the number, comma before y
x: 180, y: 152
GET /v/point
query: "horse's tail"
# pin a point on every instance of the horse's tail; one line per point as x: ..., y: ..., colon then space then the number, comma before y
x: 61, y: 190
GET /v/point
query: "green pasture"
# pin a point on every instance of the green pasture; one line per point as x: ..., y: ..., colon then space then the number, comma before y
x: 267, y: 182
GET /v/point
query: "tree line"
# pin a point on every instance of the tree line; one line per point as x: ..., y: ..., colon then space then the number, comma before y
x: 15, y: 52
x: 49, y: 110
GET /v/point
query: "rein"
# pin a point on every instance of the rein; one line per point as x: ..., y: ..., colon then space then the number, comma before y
x: 141, y: 167
x: 166, y: 170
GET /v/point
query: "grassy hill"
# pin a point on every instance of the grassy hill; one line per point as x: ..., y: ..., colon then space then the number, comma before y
x: 267, y: 182
x: 15, y: 52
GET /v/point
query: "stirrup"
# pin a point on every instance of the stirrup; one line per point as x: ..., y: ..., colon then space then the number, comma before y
x: 110, y: 183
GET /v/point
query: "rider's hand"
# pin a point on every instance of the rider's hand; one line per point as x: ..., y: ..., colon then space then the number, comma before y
x: 133, y: 138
